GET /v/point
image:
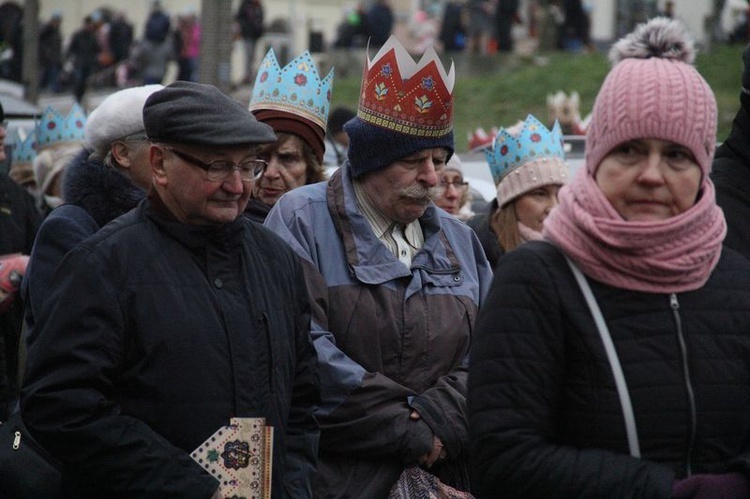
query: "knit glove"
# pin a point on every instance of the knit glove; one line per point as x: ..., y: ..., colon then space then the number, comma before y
x: 706, y: 486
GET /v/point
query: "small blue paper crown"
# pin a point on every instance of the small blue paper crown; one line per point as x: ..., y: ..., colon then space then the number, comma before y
x: 533, y: 141
x: 296, y: 88
x: 54, y: 128
x: 24, y: 147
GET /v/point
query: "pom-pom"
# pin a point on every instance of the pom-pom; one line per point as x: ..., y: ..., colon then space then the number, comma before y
x: 660, y: 37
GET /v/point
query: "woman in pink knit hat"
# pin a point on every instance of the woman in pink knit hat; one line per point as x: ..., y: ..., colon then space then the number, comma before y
x: 613, y: 359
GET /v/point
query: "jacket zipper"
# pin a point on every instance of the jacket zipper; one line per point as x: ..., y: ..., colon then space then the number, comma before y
x: 688, y: 384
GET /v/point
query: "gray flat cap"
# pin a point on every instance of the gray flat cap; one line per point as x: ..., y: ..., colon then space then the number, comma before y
x: 194, y: 113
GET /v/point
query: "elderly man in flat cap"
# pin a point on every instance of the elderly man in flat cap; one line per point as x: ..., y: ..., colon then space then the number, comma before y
x: 174, y: 320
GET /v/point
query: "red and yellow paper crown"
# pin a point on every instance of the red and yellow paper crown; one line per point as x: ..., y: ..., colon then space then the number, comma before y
x: 404, y: 96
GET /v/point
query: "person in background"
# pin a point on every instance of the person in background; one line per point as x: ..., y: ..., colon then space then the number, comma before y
x: 83, y: 50
x: 379, y: 22
x: 105, y: 179
x: 395, y: 285
x: 156, y: 50
x: 506, y: 15
x: 480, y: 26
x: 184, y: 314
x: 19, y: 222
x: 51, y: 53
x: 58, y: 139
x: 250, y: 19
x: 294, y: 101
x: 453, y: 194
x: 730, y: 171
x: 453, y: 27
x: 120, y: 37
x: 641, y: 390
x: 187, y: 45
x: 337, y: 141
x: 528, y: 164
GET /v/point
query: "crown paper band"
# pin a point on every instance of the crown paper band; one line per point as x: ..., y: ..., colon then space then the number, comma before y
x: 54, y: 128
x: 532, y: 141
x: 404, y: 96
x: 296, y: 88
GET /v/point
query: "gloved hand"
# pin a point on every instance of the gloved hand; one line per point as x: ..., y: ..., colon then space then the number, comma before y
x: 708, y: 486
x: 12, y: 269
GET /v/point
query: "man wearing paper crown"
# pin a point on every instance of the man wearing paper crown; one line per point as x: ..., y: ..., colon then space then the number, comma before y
x: 395, y: 284
x: 527, y: 162
x: 294, y: 101
x: 58, y: 139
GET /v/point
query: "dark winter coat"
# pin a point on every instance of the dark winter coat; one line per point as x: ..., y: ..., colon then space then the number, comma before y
x: 19, y: 222
x: 154, y: 335
x: 94, y: 194
x: 481, y: 225
x: 390, y: 338
x: 545, y: 416
x: 257, y: 210
x: 731, y: 176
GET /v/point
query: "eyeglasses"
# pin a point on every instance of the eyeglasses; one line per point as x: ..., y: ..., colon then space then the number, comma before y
x: 220, y: 169
x: 457, y: 184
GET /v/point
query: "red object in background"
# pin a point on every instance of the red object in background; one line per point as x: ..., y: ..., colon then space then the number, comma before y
x: 12, y: 270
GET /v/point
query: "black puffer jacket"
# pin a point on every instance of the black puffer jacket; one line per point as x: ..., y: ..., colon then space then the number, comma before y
x: 155, y: 334
x: 731, y: 175
x: 545, y: 417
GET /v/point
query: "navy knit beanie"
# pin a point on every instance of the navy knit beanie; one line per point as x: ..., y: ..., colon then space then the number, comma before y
x: 373, y: 148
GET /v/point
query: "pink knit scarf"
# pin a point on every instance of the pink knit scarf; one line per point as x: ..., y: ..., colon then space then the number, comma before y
x: 665, y: 256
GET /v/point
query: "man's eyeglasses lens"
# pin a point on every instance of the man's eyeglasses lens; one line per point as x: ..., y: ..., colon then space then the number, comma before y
x: 221, y: 169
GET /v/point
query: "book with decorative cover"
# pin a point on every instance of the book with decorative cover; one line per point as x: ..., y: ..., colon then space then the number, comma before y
x: 240, y: 456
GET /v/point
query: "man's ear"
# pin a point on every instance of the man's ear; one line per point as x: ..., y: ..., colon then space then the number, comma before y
x: 156, y: 159
x: 121, y: 154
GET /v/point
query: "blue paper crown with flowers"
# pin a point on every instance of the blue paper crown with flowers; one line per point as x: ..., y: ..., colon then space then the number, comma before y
x: 24, y: 147
x: 296, y: 88
x: 533, y: 141
x: 54, y: 128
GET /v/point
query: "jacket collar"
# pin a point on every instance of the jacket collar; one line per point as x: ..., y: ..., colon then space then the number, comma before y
x: 366, y: 255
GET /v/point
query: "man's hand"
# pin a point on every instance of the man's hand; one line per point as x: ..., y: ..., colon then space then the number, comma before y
x: 438, y: 452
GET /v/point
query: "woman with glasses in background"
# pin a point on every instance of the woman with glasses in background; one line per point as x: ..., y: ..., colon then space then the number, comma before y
x: 453, y: 193
x: 528, y: 165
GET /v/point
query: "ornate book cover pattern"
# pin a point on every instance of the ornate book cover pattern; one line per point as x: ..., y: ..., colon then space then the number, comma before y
x: 240, y: 456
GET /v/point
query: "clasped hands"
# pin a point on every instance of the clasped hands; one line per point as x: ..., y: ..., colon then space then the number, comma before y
x: 438, y: 452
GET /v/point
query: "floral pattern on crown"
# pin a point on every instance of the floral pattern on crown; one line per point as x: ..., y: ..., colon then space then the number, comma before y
x: 296, y: 88
x: 404, y: 96
x: 24, y: 147
x: 532, y: 141
x: 54, y: 128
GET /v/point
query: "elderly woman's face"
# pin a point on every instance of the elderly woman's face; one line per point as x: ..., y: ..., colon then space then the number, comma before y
x: 287, y: 170
x: 648, y: 179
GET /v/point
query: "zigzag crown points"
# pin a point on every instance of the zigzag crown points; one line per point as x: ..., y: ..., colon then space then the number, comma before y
x: 296, y: 88
x: 24, y: 147
x: 54, y: 128
x: 511, y: 149
x: 413, y: 98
